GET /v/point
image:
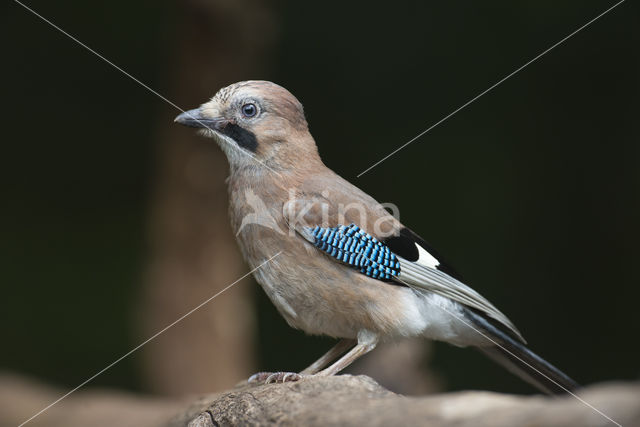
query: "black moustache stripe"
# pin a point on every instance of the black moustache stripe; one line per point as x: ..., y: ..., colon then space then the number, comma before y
x: 241, y: 136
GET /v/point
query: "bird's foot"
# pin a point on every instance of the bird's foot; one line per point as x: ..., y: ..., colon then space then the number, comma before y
x: 274, y: 377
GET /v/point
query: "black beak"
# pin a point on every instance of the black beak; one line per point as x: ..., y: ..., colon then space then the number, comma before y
x: 195, y: 119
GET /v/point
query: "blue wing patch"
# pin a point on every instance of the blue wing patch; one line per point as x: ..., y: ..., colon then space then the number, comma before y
x: 358, y: 249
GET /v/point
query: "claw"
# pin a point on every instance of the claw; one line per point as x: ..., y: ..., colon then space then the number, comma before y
x: 271, y: 378
x: 287, y: 375
x: 255, y: 378
x: 274, y: 377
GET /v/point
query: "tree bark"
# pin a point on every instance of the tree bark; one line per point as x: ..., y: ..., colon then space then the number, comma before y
x: 193, y: 253
x: 346, y: 400
x: 341, y: 400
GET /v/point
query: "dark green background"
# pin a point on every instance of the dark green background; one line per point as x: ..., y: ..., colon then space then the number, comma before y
x: 532, y: 192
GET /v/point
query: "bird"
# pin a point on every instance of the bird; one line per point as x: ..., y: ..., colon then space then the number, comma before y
x: 332, y: 259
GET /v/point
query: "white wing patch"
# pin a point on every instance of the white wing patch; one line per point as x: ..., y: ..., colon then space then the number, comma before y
x: 425, y: 258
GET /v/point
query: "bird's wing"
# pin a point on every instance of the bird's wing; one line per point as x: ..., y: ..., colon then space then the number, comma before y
x: 401, y: 257
x: 421, y: 267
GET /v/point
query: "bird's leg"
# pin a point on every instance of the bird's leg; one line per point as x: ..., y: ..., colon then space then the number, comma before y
x: 367, y: 341
x: 281, y: 377
x: 331, y: 355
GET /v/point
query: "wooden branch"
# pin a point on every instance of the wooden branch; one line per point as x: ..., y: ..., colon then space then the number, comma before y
x: 341, y: 400
x: 357, y: 401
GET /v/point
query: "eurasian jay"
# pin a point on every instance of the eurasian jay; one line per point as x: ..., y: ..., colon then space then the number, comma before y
x: 331, y: 259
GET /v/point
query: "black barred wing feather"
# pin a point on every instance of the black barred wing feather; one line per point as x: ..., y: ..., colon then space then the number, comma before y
x: 358, y: 249
x: 376, y: 259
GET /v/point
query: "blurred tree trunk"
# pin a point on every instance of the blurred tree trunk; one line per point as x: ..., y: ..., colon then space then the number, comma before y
x: 193, y: 253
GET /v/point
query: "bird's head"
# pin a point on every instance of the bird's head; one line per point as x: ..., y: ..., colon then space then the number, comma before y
x: 257, y: 124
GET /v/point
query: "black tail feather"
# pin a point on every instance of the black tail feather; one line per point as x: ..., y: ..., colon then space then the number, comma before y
x: 521, y: 361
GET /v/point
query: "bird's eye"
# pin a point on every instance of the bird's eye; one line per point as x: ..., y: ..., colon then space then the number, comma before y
x: 249, y: 110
